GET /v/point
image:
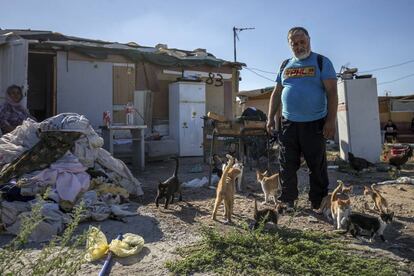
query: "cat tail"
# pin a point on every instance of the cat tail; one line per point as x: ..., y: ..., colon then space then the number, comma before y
x: 230, y: 162
x: 373, y: 187
x: 176, y: 166
x: 335, y: 192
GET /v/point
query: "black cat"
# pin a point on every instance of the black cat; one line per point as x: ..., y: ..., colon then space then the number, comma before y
x: 169, y: 187
x: 264, y: 215
x: 357, y: 222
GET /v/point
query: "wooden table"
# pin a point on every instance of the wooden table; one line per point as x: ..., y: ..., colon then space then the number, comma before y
x: 138, y: 142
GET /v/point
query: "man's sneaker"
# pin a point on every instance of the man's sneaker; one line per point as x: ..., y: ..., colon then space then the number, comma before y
x: 290, y: 207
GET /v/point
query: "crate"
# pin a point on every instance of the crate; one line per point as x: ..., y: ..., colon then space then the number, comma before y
x: 254, y: 124
x: 228, y: 128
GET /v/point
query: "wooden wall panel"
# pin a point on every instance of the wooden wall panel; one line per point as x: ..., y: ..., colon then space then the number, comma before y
x: 123, y: 84
x: 160, y: 101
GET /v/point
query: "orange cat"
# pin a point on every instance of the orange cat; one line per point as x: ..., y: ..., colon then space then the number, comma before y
x: 340, y: 208
x: 270, y: 185
x: 380, y: 203
x: 226, y: 190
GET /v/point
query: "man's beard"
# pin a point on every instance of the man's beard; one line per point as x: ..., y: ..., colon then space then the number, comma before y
x: 303, y: 55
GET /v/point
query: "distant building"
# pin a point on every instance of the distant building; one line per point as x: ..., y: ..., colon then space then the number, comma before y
x: 399, y: 109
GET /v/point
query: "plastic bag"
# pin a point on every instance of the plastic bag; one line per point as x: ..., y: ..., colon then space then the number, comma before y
x: 97, y: 245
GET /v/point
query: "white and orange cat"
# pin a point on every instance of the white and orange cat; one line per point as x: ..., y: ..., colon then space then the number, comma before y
x: 380, y: 203
x: 325, y: 207
x: 226, y: 190
x: 340, y: 207
x: 270, y: 185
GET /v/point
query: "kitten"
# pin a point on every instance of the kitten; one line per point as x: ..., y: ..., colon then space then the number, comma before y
x: 340, y: 208
x: 226, y: 190
x: 325, y: 207
x: 265, y: 215
x: 380, y: 203
x: 169, y: 187
x: 374, y: 225
x: 270, y: 185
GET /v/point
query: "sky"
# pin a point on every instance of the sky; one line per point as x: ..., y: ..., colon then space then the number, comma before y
x: 369, y: 34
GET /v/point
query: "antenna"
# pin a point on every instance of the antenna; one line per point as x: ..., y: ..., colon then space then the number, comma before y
x: 235, y: 35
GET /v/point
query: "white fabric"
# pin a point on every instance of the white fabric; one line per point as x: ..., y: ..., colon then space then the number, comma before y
x: 52, y: 223
x: 195, y: 183
x: 22, y: 138
x: 120, y: 172
x: 399, y: 180
x: 88, y: 150
x: 69, y: 177
x: 66, y: 122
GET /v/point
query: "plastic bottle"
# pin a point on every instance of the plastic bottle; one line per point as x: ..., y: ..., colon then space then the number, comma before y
x: 129, y: 110
x: 107, y: 118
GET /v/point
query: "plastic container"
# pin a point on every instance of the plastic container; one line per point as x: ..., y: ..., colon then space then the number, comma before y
x: 129, y: 110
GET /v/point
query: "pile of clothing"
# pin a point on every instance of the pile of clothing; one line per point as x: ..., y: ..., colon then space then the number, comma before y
x: 62, y: 157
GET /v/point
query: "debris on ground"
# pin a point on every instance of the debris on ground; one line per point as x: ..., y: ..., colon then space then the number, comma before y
x: 62, y: 156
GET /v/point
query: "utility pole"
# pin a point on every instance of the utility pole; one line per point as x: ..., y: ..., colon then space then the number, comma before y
x: 387, y: 95
x: 235, y: 30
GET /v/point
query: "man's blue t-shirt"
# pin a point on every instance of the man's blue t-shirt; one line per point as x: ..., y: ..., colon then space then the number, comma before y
x: 303, y: 95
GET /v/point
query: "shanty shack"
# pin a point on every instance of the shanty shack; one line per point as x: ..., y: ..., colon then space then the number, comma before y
x: 61, y: 73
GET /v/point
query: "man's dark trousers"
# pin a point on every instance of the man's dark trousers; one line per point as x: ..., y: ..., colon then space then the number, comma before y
x: 307, y: 138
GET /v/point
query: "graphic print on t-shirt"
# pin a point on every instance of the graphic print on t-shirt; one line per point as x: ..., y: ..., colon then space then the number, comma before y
x: 299, y: 72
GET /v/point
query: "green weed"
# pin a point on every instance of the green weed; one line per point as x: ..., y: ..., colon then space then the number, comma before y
x: 275, y: 252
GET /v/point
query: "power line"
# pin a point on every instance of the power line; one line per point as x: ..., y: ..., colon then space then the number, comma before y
x: 404, y: 77
x: 263, y: 71
x: 264, y: 77
x: 387, y: 67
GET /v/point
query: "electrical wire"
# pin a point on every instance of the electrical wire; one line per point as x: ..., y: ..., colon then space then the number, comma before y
x: 264, y: 77
x: 391, y: 81
x: 260, y: 70
x: 251, y: 69
x: 388, y: 67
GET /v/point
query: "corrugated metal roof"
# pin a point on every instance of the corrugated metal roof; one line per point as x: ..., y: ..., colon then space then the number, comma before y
x: 160, y: 55
x: 256, y: 92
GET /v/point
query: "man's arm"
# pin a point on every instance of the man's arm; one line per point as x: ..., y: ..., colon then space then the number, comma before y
x: 332, y: 97
x: 274, y: 105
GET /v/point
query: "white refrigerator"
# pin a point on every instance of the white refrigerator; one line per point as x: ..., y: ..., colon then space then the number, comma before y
x: 187, y: 106
x: 358, y: 119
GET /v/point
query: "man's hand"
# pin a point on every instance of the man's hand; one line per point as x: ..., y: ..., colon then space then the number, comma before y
x: 270, y: 125
x: 329, y: 129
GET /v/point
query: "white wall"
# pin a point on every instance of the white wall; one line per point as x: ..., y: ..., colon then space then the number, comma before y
x: 84, y: 87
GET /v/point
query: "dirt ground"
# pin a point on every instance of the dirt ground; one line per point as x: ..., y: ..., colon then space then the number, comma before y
x: 165, y: 230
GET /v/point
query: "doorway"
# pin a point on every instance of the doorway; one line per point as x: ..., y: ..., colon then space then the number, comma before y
x: 41, y: 95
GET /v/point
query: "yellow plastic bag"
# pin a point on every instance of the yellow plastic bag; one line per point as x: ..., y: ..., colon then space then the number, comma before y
x: 97, y: 245
x: 131, y: 244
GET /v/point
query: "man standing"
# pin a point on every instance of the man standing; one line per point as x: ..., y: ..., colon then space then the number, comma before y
x: 306, y: 87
